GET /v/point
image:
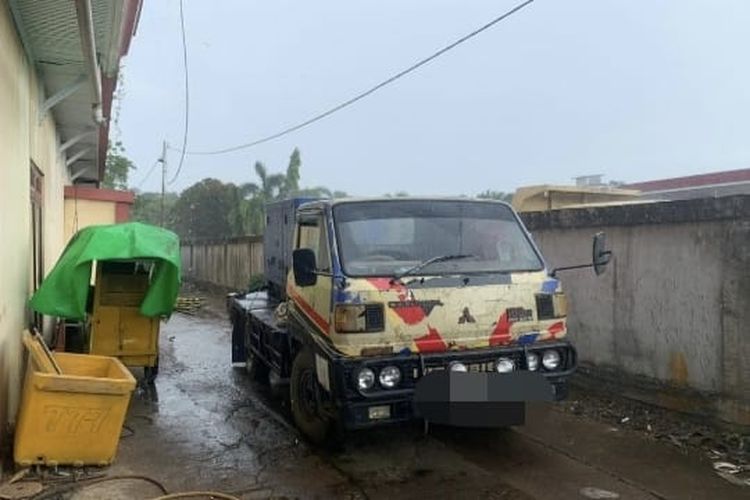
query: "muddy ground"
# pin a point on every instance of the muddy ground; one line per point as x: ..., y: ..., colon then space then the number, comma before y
x: 206, y: 426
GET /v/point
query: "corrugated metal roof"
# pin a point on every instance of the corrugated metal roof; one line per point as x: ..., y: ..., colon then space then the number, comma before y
x: 690, y: 181
x: 50, y: 34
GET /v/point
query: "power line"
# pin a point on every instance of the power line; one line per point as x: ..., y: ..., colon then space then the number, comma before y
x: 366, y: 93
x: 148, y: 174
x: 187, y: 95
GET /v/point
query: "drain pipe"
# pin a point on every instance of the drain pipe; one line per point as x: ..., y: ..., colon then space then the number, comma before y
x: 88, y: 44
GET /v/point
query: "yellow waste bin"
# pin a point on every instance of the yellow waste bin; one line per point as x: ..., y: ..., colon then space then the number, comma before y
x: 75, y: 417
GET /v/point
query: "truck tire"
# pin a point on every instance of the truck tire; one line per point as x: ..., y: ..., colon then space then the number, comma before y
x: 257, y: 370
x: 304, y: 405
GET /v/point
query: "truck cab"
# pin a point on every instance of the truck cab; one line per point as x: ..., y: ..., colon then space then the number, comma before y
x: 402, y: 308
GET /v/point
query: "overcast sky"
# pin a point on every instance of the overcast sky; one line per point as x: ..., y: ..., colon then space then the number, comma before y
x: 634, y: 90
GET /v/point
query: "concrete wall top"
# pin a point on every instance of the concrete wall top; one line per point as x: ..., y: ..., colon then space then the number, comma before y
x: 221, y: 241
x: 688, y: 211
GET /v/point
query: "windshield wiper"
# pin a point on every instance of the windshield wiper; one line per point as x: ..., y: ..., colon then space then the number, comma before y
x: 431, y: 260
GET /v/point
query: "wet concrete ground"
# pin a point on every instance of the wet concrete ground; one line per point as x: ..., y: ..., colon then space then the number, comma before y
x: 205, y: 426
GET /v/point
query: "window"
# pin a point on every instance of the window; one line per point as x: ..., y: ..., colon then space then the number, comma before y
x: 312, y: 235
x: 383, y: 238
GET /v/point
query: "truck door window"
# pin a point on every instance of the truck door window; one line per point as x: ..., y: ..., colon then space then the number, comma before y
x: 313, y: 235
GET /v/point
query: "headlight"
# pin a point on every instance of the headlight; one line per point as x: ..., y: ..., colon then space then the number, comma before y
x: 359, y: 318
x: 365, y: 379
x: 504, y: 365
x: 532, y: 361
x: 551, y: 359
x: 457, y: 366
x: 389, y: 377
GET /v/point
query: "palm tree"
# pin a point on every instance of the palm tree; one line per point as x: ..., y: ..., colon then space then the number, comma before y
x: 256, y: 196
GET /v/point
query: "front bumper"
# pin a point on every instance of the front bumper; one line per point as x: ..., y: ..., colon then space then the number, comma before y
x: 379, y: 406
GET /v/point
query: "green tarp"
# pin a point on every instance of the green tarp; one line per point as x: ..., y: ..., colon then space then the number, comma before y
x: 64, y: 291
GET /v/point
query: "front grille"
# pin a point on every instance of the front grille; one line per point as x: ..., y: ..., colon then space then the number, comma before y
x: 477, y: 360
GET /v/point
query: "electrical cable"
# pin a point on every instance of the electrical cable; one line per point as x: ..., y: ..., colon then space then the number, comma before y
x: 58, y: 490
x: 187, y: 95
x: 148, y: 174
x: 193, y: 494
x: 366, y: 93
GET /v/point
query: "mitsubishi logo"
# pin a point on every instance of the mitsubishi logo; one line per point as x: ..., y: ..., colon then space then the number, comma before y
x: 466, y: 317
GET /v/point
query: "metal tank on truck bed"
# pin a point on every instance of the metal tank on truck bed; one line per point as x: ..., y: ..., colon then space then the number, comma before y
x: 278, y: 240
x: 403, y: 308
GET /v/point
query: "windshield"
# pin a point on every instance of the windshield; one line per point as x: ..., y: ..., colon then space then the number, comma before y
x: 386, y: 238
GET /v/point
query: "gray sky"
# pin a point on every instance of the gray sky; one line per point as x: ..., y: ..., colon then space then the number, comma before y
x: 635, y: 90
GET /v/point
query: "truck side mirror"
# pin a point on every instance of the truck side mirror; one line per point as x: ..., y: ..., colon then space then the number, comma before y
x: 304, y: 266
x: 601, y: 255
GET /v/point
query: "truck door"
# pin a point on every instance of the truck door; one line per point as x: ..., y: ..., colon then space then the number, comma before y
x: 315, y: 301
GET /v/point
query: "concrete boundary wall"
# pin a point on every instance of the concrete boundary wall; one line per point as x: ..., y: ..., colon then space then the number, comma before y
x: 671, y: 315
x: 228, y: 263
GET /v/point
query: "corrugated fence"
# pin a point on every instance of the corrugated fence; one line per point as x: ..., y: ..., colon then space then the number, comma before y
x: 228, y: 262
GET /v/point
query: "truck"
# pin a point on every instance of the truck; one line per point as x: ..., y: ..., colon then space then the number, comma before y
x: 377, y: 311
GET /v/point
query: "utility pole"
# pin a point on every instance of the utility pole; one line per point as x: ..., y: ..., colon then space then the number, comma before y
x: 163, y: 161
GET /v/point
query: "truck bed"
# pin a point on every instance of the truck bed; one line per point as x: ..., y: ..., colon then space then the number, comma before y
x: 256, y: 327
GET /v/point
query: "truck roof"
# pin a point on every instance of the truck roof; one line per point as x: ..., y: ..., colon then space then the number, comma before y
x: 327, y: 202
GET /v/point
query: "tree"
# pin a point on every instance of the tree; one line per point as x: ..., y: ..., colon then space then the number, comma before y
x: 291, y: 179
x: 495, y: 195
x: 147, y: 208
x: 250, y: 213
x: 254, y: 198
x: 117, y: 166
x: 205, y: 210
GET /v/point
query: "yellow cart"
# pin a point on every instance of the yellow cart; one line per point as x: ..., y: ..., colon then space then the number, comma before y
x: 117, y: 327
x: 136, y: 279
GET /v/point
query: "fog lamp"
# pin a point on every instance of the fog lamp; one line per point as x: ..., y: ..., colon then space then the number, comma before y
x: 379, y: 412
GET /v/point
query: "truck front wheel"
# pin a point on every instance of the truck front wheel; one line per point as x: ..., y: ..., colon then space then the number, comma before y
x: 304, y: 401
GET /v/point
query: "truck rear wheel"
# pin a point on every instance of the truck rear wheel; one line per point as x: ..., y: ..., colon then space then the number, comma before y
x: 304, y: 403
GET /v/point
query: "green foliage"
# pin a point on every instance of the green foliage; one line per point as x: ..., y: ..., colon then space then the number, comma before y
x: 206, y: 210
x: 213, y: 209
x: 147, y: 208
x: 257, y: 282
x: 250, y: 213
x: 117, y: 167
x: 495, y: 195
x: 291, y: 179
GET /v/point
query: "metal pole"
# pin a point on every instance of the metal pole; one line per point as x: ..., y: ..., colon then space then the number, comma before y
x: 88, y: 45
x: 163, y: 161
